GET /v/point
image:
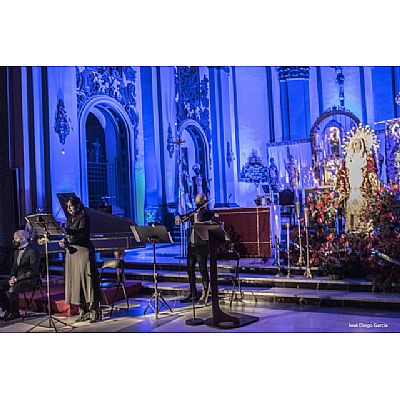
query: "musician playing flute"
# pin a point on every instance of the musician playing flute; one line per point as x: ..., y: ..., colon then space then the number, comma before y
x: 197, y: 248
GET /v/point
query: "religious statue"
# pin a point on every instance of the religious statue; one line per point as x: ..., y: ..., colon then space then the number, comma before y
x: 317, y: 140
x: 358, y: 177
x: 334, y: 141
x: 331, y: 168
x: 292, y: 171
x: 273, y: 174
x: 186, y: 184
x: 97, y: 151
x: 199, y: 183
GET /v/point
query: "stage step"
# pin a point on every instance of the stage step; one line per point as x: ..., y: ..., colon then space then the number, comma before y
x: 249, y: 279
x: 261, y: 280
x: 320, y: 298
x: 57, y: 295
x: 246, y: 266
x: 258, y: 280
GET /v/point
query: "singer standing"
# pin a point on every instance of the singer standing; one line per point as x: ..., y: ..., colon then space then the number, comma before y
x: 82, y: 285
x: 197, y: 249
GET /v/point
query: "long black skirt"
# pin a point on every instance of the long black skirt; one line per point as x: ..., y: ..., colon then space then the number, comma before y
x: 81, y: 277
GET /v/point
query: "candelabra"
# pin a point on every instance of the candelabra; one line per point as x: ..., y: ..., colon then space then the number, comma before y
x: 307, y: 273
x: 288, y: 248
x: 277, y: 260
x: 300, y: 260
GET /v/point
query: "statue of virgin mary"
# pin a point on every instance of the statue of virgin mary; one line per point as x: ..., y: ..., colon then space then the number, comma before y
x: 358, y: 178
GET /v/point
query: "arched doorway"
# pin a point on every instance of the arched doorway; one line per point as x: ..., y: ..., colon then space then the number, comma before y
x: 194, y: 150
x: 107, y: 174
x: 327, y: 137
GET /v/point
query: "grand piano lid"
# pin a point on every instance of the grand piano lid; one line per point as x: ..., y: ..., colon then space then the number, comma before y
x: 100, y: 222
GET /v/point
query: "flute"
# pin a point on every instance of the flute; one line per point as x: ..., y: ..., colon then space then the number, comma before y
x: 187, y: 216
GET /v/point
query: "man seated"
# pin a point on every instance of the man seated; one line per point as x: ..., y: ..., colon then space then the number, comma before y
x: 24, y: 275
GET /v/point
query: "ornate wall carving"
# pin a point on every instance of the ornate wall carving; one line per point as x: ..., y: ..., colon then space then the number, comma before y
x: 229, y: 154
x: 392, y: 148
x: 192, y: 97
x: 116, y: 82
x: 170, y: 142
x: 254, y: 171
x: 340, y: 82
x: 62, y: 125
x: 285, y: 73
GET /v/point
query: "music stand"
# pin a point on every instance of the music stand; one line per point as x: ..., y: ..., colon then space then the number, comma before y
x: 216, y: 236
x: 45, y: 225
x: 153, y: 234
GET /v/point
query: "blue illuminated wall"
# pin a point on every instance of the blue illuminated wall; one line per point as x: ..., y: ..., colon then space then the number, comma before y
x: 64, y: 158
x: 386, y: 81
x: 234, y: 110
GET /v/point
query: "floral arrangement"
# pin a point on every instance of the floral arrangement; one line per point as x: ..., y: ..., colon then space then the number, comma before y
x: 323, y: 241
x: 383, y: 210
x: 355, y: 254
x: 323, y: 207
x: 337, y: 253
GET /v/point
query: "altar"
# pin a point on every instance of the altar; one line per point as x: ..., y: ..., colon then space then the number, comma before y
x: 249, y: 228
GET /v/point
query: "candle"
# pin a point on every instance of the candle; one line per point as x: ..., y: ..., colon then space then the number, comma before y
x: 287, y: 235
x: 298, y: 208
x: 307, y: 216
x: 337, y: 222
x: 276, y: 222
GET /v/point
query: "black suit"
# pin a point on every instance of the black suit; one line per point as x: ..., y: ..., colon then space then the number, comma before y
x: 27, y: 274
x: 198, y: 253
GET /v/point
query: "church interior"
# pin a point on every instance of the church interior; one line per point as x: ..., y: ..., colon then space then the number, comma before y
x: 300, y: 166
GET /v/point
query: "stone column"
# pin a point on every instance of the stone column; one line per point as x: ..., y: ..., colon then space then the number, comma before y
x: 295, y: 102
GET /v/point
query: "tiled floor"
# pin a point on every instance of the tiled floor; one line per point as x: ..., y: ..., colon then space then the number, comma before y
x: 273, y: 318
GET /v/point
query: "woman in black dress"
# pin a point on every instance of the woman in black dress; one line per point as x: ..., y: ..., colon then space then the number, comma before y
x: 82, y: 285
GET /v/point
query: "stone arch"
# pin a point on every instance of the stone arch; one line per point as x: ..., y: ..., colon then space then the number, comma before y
x: 111, y: 108
x: 202, y: 152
